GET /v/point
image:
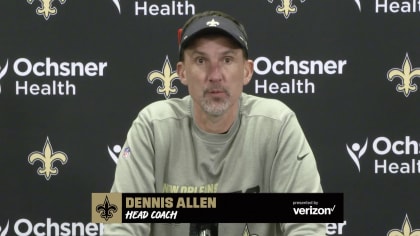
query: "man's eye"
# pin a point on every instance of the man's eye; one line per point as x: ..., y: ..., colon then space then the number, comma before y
x: 200, y: 60
x: 228, y: 59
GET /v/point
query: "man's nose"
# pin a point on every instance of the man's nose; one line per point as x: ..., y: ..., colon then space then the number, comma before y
x: 215, y: 72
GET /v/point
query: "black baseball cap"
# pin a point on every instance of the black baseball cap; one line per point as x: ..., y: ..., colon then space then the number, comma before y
x: 209, y: 22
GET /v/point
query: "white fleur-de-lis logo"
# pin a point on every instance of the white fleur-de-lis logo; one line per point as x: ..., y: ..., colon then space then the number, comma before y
x: 356, y: 152
x: 212, y: 23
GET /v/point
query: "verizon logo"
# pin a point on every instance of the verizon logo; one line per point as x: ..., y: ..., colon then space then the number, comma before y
x: 313, y: 210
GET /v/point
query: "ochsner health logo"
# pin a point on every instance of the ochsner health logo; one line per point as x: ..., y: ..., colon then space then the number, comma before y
x: 50, y: 227
x: 114, y: 152
x: 390, y: 156
x: 356, y: 151
x: 358, y: 4
x: 3, y: 71
x: 155, y: 8
x: 117, y: 4
x: 3, y: 231
x: 49, y: 77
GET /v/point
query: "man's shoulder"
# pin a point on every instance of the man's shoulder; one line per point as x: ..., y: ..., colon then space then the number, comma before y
x: 169, y: 108
x: 269, y: 107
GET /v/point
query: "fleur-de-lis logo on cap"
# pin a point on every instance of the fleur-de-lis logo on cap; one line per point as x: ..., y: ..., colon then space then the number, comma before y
x: 406, y: 74
x: 47, y: 158
x: 212, y: 23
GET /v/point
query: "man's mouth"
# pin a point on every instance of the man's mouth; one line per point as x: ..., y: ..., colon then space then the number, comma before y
x: 216, y: 91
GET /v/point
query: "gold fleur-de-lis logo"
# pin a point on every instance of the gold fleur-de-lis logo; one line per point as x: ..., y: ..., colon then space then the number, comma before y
x: 212, y: 23
x: 406, y: 230
x: 407, y: 73
x: 106, y: 209
x: 47, y: 158
x: 46, y: 8
x: 286, y: 8
x: 166, y: 76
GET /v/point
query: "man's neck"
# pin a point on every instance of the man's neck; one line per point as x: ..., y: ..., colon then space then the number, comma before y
x: 216, y: 124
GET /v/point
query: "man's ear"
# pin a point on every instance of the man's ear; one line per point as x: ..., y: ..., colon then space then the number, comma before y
x: 248, y: 71
x: 180, y: 70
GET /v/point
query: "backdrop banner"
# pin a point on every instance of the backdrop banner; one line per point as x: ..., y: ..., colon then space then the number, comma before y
x: 75, y: 74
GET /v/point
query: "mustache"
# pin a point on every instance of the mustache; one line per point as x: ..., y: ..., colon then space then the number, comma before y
x: 213, y: 89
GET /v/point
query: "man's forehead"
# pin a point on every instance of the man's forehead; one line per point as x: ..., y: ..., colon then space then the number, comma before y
x: 199, y: 52
x: 228, y: 52
x: 224, y: 43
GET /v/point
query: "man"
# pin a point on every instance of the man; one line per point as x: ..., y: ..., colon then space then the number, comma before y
x: 217, y: 139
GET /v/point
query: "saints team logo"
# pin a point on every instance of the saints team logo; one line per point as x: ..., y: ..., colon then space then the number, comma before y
x: 286, y: 7
x: 406, y: 75
x: 46, y: 9
x: 47, y: 158
x: 406, y: 230
x: 166, y: 76
x: 106, y: 209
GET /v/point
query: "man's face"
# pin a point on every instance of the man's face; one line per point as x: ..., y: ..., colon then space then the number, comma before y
x: 215, y: 71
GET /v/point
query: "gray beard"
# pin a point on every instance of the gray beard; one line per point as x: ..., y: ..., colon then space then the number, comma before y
x: 215, y: 108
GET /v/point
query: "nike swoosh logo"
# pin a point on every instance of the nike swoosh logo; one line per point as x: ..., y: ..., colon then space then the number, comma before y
x: 301, y: 157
